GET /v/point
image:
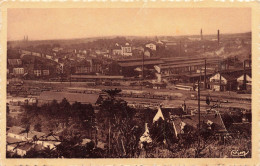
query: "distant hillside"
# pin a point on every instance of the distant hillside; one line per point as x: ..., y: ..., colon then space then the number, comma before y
x: 90, y: 39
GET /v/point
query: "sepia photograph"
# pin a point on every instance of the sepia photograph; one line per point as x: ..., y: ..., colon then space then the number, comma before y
x: 129, y: 83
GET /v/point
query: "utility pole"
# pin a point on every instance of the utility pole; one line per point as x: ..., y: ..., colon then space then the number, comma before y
x: 219, y: 66
x: 200, y: 73
x: 244, y: 81
x: 205, y: 74
x: 70, y: 75
x: 180, y: 49
x: 220, y: 75
x: 142, y: 72
x: 143, y: 67
x: 109, y: 137
x: 218, y: 37
x: 199, y: 116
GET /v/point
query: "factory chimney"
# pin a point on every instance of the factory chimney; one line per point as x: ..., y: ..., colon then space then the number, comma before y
x: 218, y: 37
x: 201, y: 35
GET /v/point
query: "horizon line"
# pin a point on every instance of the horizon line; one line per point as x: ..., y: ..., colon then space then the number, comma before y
x: 126, y: 36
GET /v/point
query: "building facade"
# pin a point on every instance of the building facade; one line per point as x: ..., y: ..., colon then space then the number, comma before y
x: 151, y: 46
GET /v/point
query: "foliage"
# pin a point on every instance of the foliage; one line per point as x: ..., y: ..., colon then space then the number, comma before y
x: 56, y: 116
x: 117, y: 118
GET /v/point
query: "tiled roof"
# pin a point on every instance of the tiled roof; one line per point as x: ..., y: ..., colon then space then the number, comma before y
x: 14, y: 62
x: 97, y: 77
x: 137, y: 60
x: 117, y: 48
x: 140, y: 63
x: 15, y: 130
x: 21, y: 131
x: 193, y: 121
x: 32, y: 133
x: 12, y: 140
x: 84, y: 63
x: 25, y: 147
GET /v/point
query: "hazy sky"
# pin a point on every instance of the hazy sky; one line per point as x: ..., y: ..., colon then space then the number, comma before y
x: 57, y: 23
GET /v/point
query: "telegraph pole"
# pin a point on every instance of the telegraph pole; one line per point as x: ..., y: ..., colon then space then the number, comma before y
x: 70, y: 74
x: 220, y: 75
x: 199, y: 102
x: 219, y: 66
x: 205, y: 74
x: 143, y: 67
x: 180, y: 49
x: 199, y: 117
x: 109, y: 137
x: 244, y: 80
x: 142, y: 72
x: 218, y: 37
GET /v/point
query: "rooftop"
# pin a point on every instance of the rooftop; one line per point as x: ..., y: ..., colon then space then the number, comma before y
x: 15, y: 130
x: 96, y: 77
x: 140, y: 63
x: 185, y: 64
x: 193, y: 121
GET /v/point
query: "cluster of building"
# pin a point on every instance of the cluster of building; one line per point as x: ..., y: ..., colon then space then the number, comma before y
x: 184, y: 121
x: 17, y: 68
x: 119, y: 63
x: 79, y: 61
x: 19, y: 141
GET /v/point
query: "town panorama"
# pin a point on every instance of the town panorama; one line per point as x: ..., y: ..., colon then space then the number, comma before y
x: 130, y: 97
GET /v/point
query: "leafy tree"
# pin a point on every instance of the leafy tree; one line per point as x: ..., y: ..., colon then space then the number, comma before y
x: 123, y: 135
x: 162, y: 132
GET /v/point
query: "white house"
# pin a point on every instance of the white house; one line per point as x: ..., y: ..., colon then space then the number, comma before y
x: 228, y: 82
x: 146, y: 136
x: 240, y: 81
x: 21, y: 150
x: 126, y: 50
x: 17, y: 134
x: 37, y: 72
x: 45, y: 72
x: 158, y: 115
x: 48, y: 56
x: 18, y: 71
x: 151, y: 46
x: 216, y: 78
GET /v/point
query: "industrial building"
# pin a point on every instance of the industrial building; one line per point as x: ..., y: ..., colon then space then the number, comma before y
x: 188, y: 69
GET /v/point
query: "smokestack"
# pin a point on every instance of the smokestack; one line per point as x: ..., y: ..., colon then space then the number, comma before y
x: 201, y: 35
x: 218, y: 37
x: 205, y: 75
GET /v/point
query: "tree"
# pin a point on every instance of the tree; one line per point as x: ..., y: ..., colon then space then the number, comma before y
x: 162, y: 132
x: 118, y: 117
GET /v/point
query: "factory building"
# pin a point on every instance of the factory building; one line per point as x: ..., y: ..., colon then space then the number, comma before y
x: 188, y: 70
